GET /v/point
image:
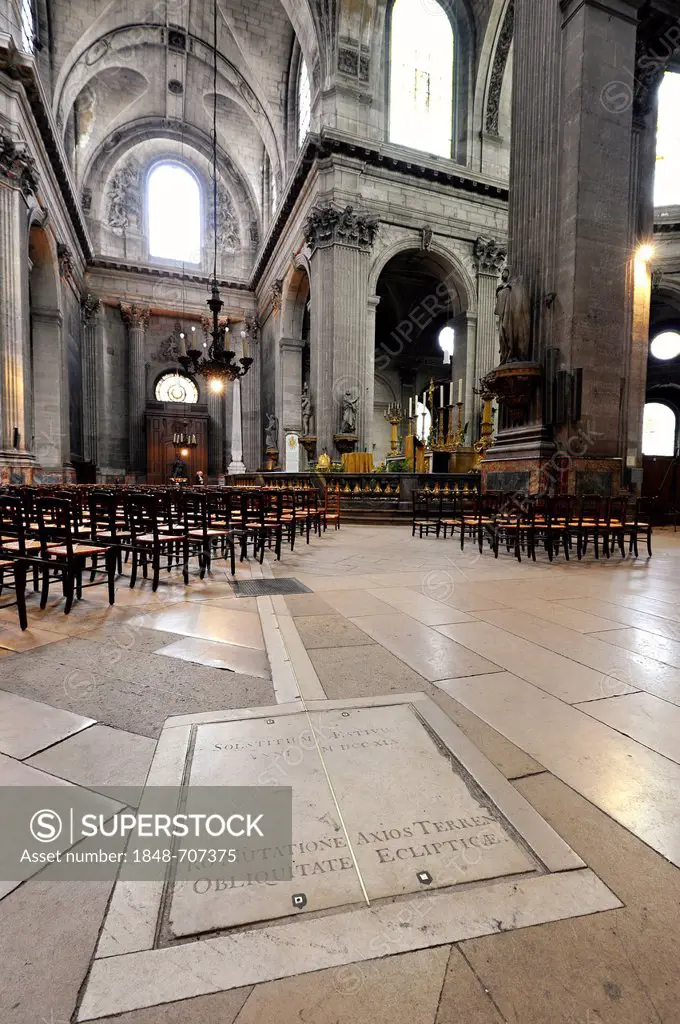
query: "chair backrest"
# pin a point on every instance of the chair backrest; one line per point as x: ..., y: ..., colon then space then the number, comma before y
x: 12, y: 523
x: 144, y: 512
x: 103, y: 507
x: 591, y: 508
x: 56, y: 523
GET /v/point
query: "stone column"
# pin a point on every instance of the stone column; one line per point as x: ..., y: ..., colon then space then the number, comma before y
x: 340, y: 243
x: 569, y: 218
x: 372, y: 309
x: 91, y: 315
x: 490, y: 257
x: 18, y: 181
x: 51, y: 426
x: 237, y: 465
x: 136, y: 319
x: 215, y: 404
x: 469, y: 397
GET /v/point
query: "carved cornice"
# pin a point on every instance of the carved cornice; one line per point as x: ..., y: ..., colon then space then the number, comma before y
x: 490, y: 256
x: 90, y: 309
x: 17, y: 166
x: 135, y: 315
x: 327, y: 226
x: 500, y: 61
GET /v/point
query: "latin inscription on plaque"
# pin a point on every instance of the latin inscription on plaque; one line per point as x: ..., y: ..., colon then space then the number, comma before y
x: 398, y: 810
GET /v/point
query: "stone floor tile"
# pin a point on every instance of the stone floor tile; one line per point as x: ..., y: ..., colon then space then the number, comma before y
x: 463, y: 997
x: 221, y: 1008
x: 422, y: 647
x: 420, y: 607
x: 363, y: 672
x: 27, y: 726
x: 330, y: 631
x: 100, y: 756
x: 397, y: 990
x: 308, y: 604
x: 206, y: 622
x: 642, y: 716
x: 230, y: 657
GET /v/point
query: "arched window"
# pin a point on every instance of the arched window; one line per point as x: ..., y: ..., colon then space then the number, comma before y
x: 304, y: 102
x: 658, y: 430
x: 667, y: 186
x: 447, y: 343
x: 176, y: 387
x: 174, y: 218
x: 421, y: 77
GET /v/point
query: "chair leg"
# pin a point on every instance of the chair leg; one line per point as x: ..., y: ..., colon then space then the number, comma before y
x: 156, y: 564
x: 20, y: 588
x: 111, y: 560
x: 93, y: 570
x: 133, y: 571
x: 185, y: 567
x: 36, y: 579
x: 44, y: 593
x: 232, y: 557
x: 69, y: 588
x: 649, y: 541
x: 79, y: 581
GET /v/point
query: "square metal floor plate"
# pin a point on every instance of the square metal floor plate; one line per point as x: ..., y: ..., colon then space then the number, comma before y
x: 404, y: 837
x: 267, y: 588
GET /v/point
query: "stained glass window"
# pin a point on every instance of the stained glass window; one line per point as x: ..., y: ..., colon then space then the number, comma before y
x: 421, y: 76
x: 175, y: 387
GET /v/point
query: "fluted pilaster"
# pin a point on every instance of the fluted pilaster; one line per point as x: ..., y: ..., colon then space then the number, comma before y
x: 91, y: 316
x: 136, y: 319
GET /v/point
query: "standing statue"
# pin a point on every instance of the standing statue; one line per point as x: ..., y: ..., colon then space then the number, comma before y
x: 271, y: 432
x: 349, y: 413
x: 307, y: 412
x: 513, y: 310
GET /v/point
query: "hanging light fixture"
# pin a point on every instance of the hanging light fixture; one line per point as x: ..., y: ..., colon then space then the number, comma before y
x: 218, y: 365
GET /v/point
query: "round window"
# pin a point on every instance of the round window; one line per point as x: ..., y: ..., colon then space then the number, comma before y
x: 666, y: 345
x: 175, y: 387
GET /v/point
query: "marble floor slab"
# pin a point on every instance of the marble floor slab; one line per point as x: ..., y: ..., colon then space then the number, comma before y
x: 626, y: 616
x: 202, y: 620
x: 639, y: 641
x: 99, y: 756
x: 356, y: 602
x: 635, y: 786
x: 642, y: 716
x: 229, y: 656
x: 552, y: 672
x: 419, y: 606
x: 13, y: 638
x: 641, y: 672
x: 27, y: 726
x: 425, y: 650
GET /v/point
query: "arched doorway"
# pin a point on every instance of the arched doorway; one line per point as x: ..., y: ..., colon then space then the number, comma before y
x: 419, y: 296
x: 294, y: 360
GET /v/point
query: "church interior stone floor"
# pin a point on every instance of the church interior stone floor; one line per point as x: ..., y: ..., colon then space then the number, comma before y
x: 562, y: 684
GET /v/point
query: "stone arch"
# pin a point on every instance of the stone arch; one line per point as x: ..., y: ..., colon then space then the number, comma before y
x: 296, y: 294
x: 460, y: 283
x: 49, y: 379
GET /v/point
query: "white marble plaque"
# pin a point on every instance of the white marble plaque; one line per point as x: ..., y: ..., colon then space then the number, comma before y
x: 370, y: 788
x: 292, y: 453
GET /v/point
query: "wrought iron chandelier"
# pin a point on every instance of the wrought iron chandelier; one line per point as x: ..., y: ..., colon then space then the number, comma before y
x: 218, y: 365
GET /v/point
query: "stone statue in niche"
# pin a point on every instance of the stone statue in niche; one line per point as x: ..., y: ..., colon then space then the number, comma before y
x: 271, y: 432
x: 307, y: 412
x: 513, y: 309
x: 123, y: 198
x: 349, y: 413
x: 228, y: 233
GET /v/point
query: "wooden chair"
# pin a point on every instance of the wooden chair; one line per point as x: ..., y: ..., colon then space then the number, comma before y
x: 154, y: 535
x: 426, y: 513
x: 589, y: 524
x: 331, y: 508
x: 639, y: 523
x: 13, y: 547
x: 63, y: 555
x: 205, y: 534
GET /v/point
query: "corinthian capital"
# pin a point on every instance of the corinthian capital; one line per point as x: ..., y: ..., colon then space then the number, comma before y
x: 326, y: 226
x: 90, y: 309
x: 134, y: 315
x: 17, y: 166
x: 490, y: 255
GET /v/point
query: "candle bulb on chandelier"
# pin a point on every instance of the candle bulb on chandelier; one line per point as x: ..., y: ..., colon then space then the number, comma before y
x: 460, y: 391
x: 441, y: 395
x: 451, y: 393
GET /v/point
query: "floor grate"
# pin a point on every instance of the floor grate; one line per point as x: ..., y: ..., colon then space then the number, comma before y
x: 267, y: 588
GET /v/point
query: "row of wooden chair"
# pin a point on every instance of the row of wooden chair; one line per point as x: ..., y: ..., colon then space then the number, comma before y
x: 524, y: 523
x: 60, y: 534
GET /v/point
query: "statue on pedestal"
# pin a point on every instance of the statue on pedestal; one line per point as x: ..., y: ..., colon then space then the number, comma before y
x: 513, y: 309
x: 349, y: 413
x: 307, y: 412
x: 271, y: 433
